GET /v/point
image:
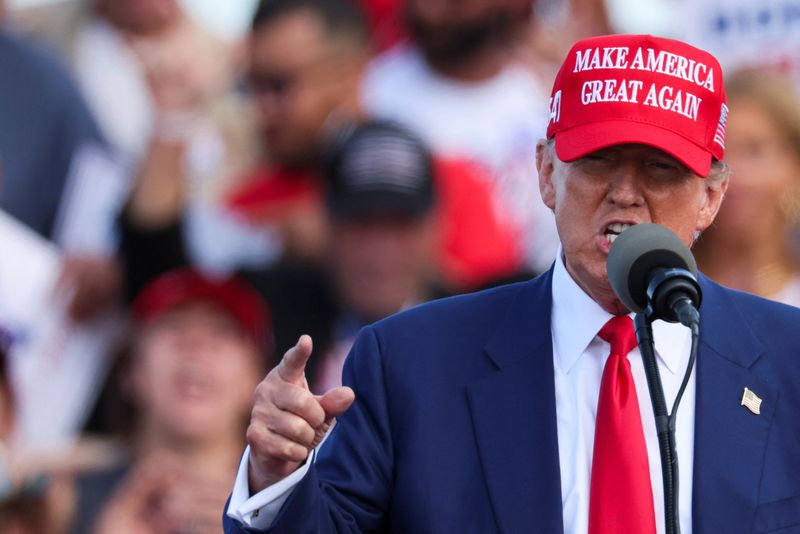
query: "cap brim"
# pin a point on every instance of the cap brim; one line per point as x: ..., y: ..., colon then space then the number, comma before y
x: 378, y: 203
x: 584, y: 139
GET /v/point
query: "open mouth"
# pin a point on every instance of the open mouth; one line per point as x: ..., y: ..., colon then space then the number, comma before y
x: 614, y: 229
x: 193, y: 386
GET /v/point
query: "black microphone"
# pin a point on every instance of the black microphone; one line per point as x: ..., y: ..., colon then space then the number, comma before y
x: 653, y: 272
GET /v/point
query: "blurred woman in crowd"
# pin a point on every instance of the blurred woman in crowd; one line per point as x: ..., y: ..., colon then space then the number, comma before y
x: 750, y: 247
x: 147, y: 68
x: 197, y: 353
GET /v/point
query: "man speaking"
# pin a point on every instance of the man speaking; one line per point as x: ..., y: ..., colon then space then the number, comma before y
x: 525, y: 409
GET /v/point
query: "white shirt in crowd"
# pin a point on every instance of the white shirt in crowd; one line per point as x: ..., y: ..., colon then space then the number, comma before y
x: 579, y: 356
x: 495, y: 123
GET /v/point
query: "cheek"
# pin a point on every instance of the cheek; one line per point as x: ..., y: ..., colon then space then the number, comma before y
x: 421, y: 249
x: 402, y: 247
x: 149, y: 385
x: 311, y: 107
x: 354, y: 247
x: 576, y: 208
x: 783, y: 175
x: 153, y: 363
x: 348, y: 254
x: 684, y: 214
x: 239, y: 374
x: 239, y: 365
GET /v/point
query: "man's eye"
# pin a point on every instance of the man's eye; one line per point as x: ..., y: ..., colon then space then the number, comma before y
x: 667, y: 166
x: 664, y: 166
x: 668, y: 170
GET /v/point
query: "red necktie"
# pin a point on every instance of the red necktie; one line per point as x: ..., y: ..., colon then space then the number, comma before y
x: 621, y: 498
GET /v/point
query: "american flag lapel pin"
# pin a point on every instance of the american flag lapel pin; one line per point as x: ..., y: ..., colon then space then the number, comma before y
x: 751, y: 401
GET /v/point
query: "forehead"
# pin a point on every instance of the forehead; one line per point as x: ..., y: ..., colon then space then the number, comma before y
x: 291, y: 38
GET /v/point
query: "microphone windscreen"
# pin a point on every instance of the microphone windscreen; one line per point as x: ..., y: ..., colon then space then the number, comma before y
x: 636, y: 253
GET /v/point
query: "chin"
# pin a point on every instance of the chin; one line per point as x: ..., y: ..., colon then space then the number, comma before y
x: 191, y: 418
x: 193, y: 429
x: 618, y: 308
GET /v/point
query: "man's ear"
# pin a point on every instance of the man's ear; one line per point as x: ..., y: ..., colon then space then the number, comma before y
x: 715, y: 193
x: 544, y: 165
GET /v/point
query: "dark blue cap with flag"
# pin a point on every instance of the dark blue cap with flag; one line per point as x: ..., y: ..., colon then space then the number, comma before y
x: 380, y: 168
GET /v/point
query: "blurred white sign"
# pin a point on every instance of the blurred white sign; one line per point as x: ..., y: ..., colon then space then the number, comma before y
x: 744, y: 33
x: 56, y: 367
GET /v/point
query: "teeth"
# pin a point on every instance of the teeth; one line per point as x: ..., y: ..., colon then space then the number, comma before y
x: 618, y: 228
x: 614, y: 229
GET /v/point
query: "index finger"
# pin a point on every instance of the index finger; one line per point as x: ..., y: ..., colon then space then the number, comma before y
x: 292, y: 366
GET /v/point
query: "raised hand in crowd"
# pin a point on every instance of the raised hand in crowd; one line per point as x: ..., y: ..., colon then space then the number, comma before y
x: 93, y: 284
x: 160, y: 496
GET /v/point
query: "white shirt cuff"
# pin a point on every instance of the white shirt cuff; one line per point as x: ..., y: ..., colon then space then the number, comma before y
x: 260, y: 510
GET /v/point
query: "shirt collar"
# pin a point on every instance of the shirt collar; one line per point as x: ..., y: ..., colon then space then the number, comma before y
x: 576, y: 319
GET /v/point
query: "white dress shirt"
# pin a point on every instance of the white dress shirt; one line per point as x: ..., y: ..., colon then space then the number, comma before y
x: 260, y: 510
x: 579, y: 357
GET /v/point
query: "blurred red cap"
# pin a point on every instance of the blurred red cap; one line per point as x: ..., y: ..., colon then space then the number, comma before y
x: 232, y: 294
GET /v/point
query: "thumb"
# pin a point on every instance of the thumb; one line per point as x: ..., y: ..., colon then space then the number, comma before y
x: 336, y: 401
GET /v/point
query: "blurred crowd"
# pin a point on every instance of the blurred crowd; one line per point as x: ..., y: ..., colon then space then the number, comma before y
x: 176, y: 209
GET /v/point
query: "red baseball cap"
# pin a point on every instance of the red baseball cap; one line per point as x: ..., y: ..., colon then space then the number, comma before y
x: 639, y: 89
x: 232, y: 294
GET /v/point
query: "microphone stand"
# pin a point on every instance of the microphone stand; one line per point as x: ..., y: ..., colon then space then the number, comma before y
x: 665, y: 422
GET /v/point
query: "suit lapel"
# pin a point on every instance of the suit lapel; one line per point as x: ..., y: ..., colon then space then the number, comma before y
x: 730, y: 441
x: 514, y: 416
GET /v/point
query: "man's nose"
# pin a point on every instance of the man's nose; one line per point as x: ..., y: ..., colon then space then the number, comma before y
x: 625, y: 186
x: 268, y: 106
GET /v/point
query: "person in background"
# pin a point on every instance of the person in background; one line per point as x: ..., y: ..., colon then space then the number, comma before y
x: 52, y: 155
x: 458, y: 84
x: 183, y: 110
x: 152, y: 57
x: 379, y: 205
x: 198, y: 347
x: 304, y: 65
x: 751, y: 246
x: 555, y: 25
x: 306, y: 60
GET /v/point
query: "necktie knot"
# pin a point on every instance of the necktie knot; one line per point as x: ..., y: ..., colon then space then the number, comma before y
x: 618, y: 331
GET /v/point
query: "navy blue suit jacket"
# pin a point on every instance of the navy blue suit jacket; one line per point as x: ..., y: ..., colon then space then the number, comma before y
x: 454, y: 428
